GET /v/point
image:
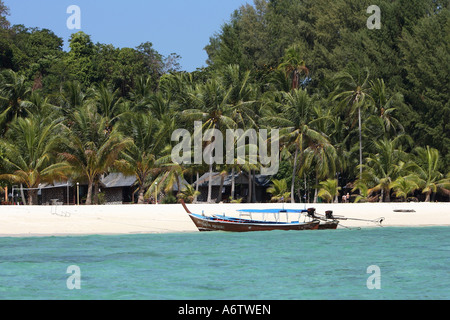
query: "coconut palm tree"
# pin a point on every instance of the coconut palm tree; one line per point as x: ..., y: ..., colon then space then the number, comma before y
x: 426, y: 168
x: 385, y: 106
x: 384, y: 167
x: 29, y: 153
x: 140, y: 156
x: 91, y: 148
x: 14, y: 91
x: 404, y: 186
x: 279, y: 191
x: 354, y: 95
x: 242, y: 101
x: 107, y: 102
x: 329, y: 190
x: 295, y: 114
x: 72, y: 97
x: 188, y: 194
x: 211, y: 106
x: 293, y: 65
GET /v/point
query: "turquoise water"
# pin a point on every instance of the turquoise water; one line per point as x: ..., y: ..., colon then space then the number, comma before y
x: 414, y: 263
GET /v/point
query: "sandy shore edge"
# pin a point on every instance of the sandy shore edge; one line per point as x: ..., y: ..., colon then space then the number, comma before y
x: 40, y: 221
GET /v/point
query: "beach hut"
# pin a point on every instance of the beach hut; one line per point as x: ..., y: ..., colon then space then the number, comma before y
x: 118, y: 188
x: 262, y: 183
x: 58, y: 192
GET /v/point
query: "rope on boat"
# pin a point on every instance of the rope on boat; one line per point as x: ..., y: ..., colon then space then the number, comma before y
x: 378, y: 221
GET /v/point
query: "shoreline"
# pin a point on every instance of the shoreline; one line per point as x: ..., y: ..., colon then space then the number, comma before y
x: 64, y: 221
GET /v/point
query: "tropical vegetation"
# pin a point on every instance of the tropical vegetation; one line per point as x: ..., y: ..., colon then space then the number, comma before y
x: 359, y: 111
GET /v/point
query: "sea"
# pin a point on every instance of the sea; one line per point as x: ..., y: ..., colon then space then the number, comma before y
x: 367, y: 264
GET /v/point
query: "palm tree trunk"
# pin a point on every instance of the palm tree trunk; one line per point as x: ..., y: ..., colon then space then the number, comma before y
x: 32, y: 197
x: 254, y: 187
x: 141, y: 194
x: 294, y: 173
x: 22, y: 195
x: 210, y: 183
x: 196, y: 187
x: 89, y: 193
x: 316, y: 191
x: 360, y: 143
x: 232, y: 184
x: 388, y: 195
x: 222, y: 180
x: 249, y: 198
x: 96, y: 191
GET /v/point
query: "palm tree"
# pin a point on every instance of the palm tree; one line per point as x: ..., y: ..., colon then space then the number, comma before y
x: 107, y: 102
x: 404, y: 186
x: 293, y: 65
x: 354, y: 94
x: 72, y: 95
x: 279, y: 191
x: 92, y: 149
x: 322, y: 156
x: 140, y: 156
x: 14, y: 91
x: 39, y: 105
x: 384, y: 167
x: 211, y: 102
x: 242, y: 101
x: 426, y: 168
x: 29, y: 153
x: 295, y: 115
x: 385, y: 106
x: 188, y: 194
x: 329, y: 190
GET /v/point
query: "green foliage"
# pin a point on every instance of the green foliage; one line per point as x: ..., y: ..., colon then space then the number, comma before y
x: 348, y: 101
x: 329, y: 190
x: 188, y: 194
x: 279, y: 191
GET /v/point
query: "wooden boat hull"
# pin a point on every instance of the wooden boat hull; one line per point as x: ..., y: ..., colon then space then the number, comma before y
x: 216, y: 224
x: 329, y: 225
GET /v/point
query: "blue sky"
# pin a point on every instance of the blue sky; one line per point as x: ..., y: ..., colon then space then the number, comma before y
x: 180, y: 26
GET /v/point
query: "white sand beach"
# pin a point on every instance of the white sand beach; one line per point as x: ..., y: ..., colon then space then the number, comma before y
x: 24, y: 221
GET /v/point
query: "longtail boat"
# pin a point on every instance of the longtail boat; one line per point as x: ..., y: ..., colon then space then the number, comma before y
x: 229, y: 224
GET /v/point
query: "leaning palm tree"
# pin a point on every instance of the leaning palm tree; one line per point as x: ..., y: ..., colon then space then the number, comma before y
x: 91, y: 149
x: 29, y: 153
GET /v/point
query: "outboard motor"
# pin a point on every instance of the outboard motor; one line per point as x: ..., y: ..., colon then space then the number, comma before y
x: 329, y: 215
x: 311, y: 212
